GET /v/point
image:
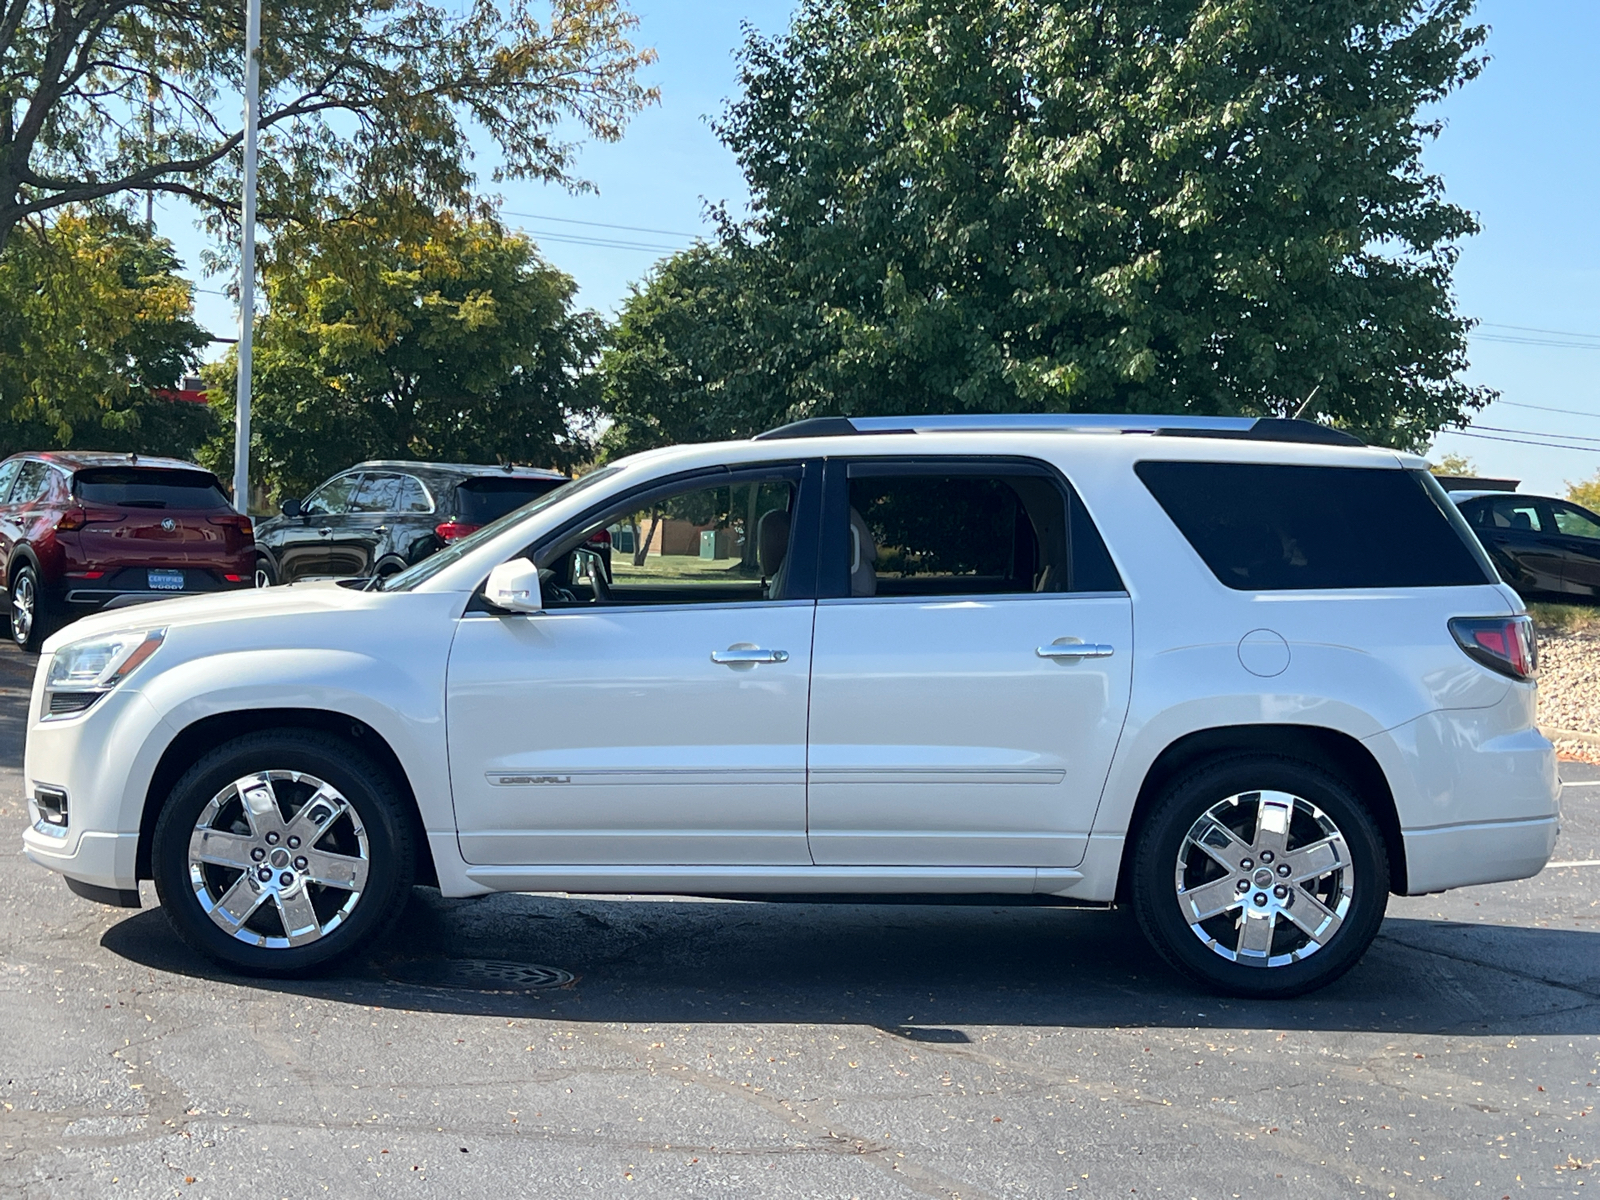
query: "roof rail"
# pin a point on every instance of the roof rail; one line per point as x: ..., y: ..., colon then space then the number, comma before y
x: 1268, y: 429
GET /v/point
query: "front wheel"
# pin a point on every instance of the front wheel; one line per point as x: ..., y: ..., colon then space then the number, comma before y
x: 280, y: 852
x: 265, y: 575
x: 1260, y: 877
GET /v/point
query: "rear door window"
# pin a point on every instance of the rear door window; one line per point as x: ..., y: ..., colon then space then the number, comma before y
x: 379, y: 493
x: 1272, y: 527
x: 1574, y: 521
x: 8, y: 476
x: 481, y: 500
x: 149, y: 487
x: 970, y: 528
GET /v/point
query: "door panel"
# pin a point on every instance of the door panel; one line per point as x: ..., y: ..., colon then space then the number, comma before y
x: 941, y: 737
x: 609, y: 736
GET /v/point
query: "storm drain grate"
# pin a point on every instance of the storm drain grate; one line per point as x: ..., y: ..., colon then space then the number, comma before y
x: 478, y: 974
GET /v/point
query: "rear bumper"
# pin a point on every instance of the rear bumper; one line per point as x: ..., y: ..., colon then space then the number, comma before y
x: 90, y: 599
x: 1454, y: 856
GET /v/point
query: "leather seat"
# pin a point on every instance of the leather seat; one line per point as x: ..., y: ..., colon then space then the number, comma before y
x: 772, y: 551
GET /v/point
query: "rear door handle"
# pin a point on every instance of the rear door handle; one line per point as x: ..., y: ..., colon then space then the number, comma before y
x: 747, y: 657
x: 1075, y: 650
x: 326, y: 530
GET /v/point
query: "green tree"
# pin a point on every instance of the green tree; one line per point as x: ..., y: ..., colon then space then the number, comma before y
x: 397, y: 332
x: 1453, y: 464
x: 110, y: 98
x: 1209, y: 206
x: 93, y: 317
x: 1586, y: 493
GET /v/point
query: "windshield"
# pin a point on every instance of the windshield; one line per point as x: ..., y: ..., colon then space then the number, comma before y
x: 455, y: 551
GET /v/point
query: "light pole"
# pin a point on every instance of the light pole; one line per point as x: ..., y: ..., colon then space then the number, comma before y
x: 247, y: 256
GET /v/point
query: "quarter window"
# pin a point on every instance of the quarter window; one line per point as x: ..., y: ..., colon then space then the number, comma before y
x: 924, y: 530
x: 1273, y: 527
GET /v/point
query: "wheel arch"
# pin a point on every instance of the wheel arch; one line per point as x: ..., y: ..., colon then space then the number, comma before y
x: 1329, y: 749
x: 196, y: 738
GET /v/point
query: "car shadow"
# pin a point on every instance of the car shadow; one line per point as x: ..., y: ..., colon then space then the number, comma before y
x: 921, y: 971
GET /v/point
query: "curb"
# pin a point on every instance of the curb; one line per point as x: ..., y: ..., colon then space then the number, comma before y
x: 1570, y: 735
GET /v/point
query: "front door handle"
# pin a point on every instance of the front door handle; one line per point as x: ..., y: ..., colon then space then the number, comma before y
x: 748, y: 656
x: 1075, y: 650
x: 381, y: 529
x: 326, y: 530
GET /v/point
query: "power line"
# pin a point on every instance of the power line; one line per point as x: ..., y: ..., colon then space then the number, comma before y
x: 1508, y: 340
x: 1571, y: 437
x: 600, y: 224
x: 1571, y: 412
x: 603, y: 243
x: 1490, y: 437
x: 1532, y: 329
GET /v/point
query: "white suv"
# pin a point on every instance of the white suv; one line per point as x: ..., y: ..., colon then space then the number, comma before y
x: 1249, y: 677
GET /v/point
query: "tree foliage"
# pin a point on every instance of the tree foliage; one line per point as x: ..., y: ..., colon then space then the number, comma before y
x: 93, y: 316
x: 1586, y: 493
x: 397, y: 332
x: 100, y: 98
x: 1209, y: 206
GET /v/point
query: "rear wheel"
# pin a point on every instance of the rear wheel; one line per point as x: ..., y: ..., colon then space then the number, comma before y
x: 1261, y: 876
x: 30, y: 616
x: 281, y: 852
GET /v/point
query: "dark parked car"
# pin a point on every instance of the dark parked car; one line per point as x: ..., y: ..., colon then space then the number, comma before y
x: 83, y: 531
x: 380, y: 517
x: 1545, y: 548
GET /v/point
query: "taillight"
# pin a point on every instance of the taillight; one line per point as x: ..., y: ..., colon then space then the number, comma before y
x: 234, y: 520
x: 73, y: 518
x: 451, y: 530
x: 1503, y: 644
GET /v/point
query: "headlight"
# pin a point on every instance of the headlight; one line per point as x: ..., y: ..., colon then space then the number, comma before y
x: 84, y: 671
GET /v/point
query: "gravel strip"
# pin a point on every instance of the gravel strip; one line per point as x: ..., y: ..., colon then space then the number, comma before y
x: 1569, y: 689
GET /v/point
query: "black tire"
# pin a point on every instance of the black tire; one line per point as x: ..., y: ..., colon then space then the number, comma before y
x: 1209, y: 951
x: 265, y: 576
x: 261, y: 946
x: 30, y: 618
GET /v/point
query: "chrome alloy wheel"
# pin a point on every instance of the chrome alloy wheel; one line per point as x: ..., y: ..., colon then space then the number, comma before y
x: 278, y: 859
x: 1264, y: 878
x: 23, y: 605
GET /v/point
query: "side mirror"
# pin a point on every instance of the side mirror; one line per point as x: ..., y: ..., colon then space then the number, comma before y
x: 290, y: 507
x: 514, y: 586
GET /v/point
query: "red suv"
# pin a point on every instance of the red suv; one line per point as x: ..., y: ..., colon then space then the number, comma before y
x: 84, y: 531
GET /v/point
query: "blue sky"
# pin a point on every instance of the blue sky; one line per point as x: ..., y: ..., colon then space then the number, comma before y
x: 1521, y: 148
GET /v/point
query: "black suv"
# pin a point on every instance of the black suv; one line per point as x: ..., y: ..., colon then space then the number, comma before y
x: 1544, y: 547
x: 380, y: 517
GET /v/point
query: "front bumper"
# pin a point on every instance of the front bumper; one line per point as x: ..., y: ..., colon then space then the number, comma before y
x: 104, y: 761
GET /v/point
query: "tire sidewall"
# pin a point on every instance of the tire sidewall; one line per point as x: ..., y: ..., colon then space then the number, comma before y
x: 331, y: 759
x: 1154, y: 888
x: 36, y: 630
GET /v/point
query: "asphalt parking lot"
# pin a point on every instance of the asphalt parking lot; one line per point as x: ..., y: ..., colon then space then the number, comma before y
x: 676, y: 1047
